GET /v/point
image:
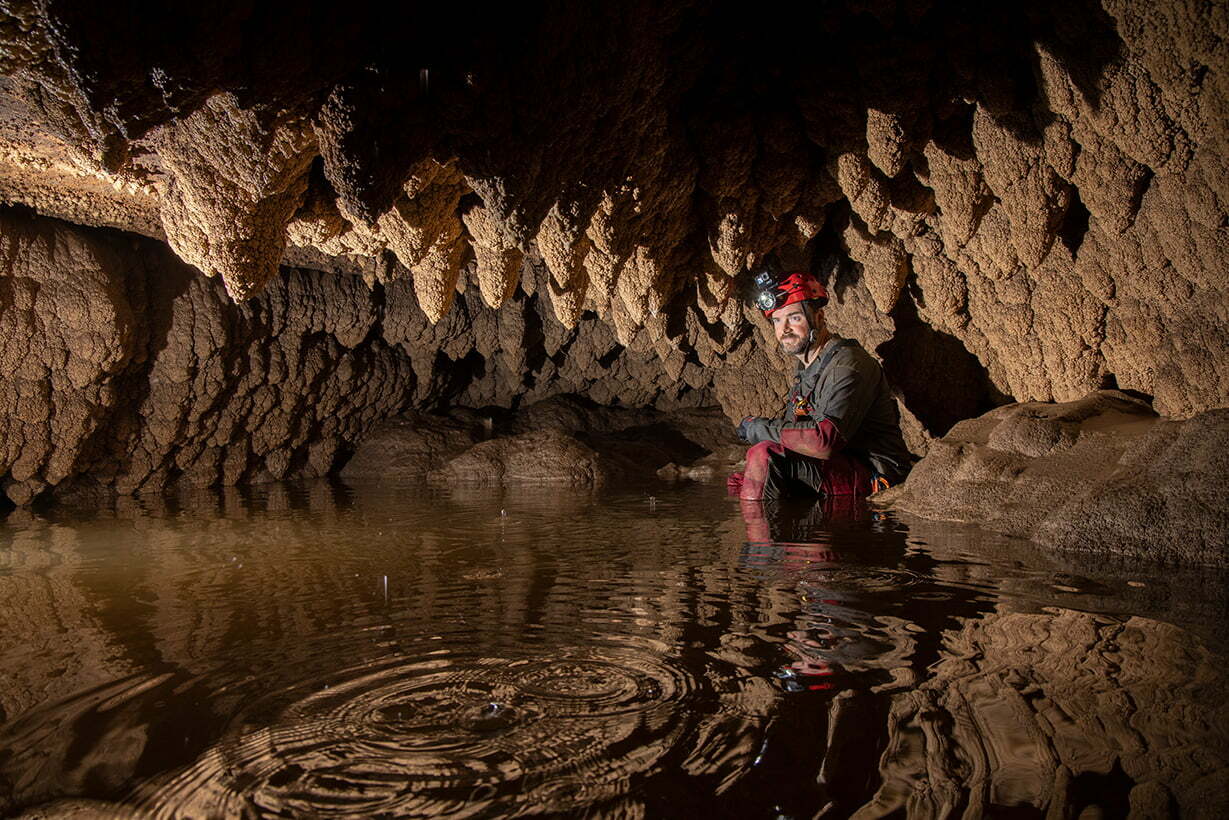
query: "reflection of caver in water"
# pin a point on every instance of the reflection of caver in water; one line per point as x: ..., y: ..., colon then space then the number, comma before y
x: 839, y: 433
x: 780, y: 528
x: 780, y: 536
x: 792, y: 541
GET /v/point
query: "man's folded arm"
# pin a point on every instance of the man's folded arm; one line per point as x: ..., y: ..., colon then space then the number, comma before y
x: 810, y: 438
x: 816, y: 439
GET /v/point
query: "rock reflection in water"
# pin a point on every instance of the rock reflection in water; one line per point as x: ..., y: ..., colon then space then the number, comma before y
x: 314, y: 651
x: 1062, y: 711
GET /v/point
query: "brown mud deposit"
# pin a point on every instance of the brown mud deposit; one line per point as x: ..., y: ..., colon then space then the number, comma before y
x: 1032, y: 199
x: 1103, y: 474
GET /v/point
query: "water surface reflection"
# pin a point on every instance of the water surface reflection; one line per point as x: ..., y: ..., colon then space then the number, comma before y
x: 322, y: 650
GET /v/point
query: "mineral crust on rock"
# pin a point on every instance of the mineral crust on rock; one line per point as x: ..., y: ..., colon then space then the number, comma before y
x: 1103, y: 474
x: 125, y: 371
x: 1043, y: 183
x: 1013, y: 202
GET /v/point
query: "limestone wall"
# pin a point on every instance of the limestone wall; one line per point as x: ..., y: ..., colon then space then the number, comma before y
x: 1009, y: 201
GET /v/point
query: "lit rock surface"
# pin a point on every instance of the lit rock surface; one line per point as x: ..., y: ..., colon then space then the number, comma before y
x: 1102, y: 474
x: 125, y: 371
x: 1044, y: 185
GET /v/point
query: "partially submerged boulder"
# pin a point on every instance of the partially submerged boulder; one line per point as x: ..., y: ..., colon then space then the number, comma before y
x: 410, y: 446
x: 1103, y: 474
x: 540, y: 457
x: 562, y: 440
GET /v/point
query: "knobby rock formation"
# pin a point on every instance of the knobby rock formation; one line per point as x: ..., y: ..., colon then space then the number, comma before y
x: 127, y: 371
x: 1102, y: 474
x: 1032, y: 200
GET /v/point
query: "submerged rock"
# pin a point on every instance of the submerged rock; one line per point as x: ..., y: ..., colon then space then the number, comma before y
x: 563, y: 440
x: 543, y: 457
x: 1103, y: 474
x: 409, y: 446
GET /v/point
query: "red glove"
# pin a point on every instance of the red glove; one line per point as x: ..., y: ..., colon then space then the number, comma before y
x: 734, y: 483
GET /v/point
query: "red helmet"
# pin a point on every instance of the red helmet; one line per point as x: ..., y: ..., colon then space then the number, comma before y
x: 799, y: 286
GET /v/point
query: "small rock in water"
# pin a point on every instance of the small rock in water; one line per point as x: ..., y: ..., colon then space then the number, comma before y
x: 670, y: 472
x: 492, y: 717
x: 700, y: 472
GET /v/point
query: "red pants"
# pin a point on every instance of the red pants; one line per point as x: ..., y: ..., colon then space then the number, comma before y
x: 774, y: 472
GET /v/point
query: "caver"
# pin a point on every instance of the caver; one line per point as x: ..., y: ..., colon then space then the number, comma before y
x: 839, y: 432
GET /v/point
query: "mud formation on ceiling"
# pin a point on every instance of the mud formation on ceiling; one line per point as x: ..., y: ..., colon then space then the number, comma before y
x: 1032, y: 198
x: 127, y: 371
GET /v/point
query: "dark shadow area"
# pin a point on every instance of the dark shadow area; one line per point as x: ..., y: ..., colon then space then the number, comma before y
x: 6, y: 505
x: 642, y: 450
x: 450, y: 378
x: 534, y: 340
x: 608, y: 358
x: 940, y: 381
x: 1141, y: 188
x: 1074, y: 225
x: 953, y: 130
x: 1108, y: 795
x: 1109, y: 381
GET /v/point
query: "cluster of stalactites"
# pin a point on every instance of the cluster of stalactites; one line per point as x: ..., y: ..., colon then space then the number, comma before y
x: 234, y: 192
x: 1062, y: 219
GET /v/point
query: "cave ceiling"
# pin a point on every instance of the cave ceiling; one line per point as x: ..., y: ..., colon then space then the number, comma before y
x: 1039, y: 188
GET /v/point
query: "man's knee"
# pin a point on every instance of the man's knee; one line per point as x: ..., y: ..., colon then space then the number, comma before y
x: 760, y: 452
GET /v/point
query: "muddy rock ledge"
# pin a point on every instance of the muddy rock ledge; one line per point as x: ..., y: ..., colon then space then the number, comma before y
x: 1103, y: 474
x: 562, y: 441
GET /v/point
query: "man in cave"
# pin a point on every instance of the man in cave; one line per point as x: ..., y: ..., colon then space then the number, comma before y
x: 839, y: 433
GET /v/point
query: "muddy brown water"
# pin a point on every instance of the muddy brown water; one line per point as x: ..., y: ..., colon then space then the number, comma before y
x: 322, y: 649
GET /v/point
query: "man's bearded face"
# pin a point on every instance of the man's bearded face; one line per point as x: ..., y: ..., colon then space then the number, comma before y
x: 792, y: 329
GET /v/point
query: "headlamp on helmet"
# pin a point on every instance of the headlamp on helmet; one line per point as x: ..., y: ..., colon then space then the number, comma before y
x: 766, y: 291
x: 773, y: 293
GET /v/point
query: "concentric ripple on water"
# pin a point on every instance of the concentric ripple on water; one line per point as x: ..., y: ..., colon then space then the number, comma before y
x: 386, y: 651
x: 442, y: 736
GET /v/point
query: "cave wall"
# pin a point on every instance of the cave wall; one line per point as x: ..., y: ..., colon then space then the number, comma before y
x: 124, y: 369
x: 1030, y: 200
x: 124, y: 365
